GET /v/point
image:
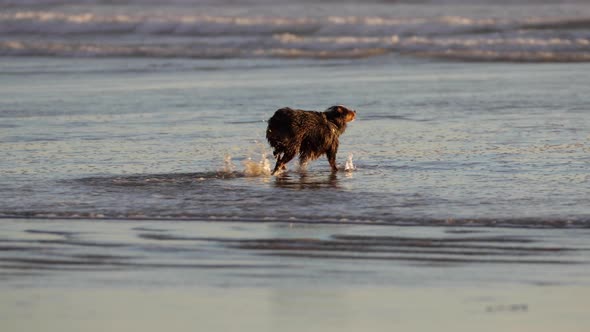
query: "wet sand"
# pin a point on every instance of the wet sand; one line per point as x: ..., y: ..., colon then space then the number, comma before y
x: 529, y: 308
x: 74, y: 275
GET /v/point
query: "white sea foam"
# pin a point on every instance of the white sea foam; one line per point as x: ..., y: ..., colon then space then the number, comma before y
x: 56, y: 22
x: 61, y: 23
x: 225, y: 36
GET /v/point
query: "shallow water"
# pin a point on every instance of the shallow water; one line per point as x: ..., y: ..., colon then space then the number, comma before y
x: 434, y: 142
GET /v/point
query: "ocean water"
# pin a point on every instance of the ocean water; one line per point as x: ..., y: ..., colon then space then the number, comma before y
x: 132, y: 154
x: 468, y: 115
x: 434, y: 142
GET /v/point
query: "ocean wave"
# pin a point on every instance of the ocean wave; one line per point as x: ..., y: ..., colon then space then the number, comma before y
x: 333, y: 37
x: 79, y: 49
x: 76, y: 49
x: 58, y: 23
x: 61, y: 23
x: 340, y: 48
x: 493, y: 56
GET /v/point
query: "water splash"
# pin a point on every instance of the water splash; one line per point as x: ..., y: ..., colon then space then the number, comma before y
x: 257, y: 168
x: 253, y: 167
x: 228, y: 169
x: 349, y: 166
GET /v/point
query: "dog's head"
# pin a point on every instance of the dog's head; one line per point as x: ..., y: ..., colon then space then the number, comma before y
x: 340, y: 111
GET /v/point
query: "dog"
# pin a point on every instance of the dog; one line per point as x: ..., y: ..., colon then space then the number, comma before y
x: 309, y: 134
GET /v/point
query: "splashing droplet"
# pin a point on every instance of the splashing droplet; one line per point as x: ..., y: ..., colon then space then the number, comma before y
x: 349, y: 166
x: 260, y: 168
x: 228, y: 168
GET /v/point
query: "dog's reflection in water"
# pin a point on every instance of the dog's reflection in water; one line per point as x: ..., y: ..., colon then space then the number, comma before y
x: 302, y: 180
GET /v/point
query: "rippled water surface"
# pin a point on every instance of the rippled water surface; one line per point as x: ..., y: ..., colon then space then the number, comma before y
x: 434, y: 142
x: 78, y: 253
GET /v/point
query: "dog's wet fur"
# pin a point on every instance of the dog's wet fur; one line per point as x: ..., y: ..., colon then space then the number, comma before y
x: 309, y: 134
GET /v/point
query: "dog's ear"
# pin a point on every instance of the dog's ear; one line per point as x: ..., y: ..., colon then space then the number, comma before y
x: 339, y: 109
x: 346, y: 111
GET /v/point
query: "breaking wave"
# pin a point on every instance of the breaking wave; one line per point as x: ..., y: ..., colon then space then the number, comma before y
x: 64, y: 34
x: 61, y: 23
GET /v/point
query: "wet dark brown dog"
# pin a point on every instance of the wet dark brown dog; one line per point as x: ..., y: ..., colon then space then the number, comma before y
x: 309, y: 134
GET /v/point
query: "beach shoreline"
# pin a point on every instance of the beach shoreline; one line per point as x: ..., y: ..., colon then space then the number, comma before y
x: 523, y: 308
x: 155, y: 253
